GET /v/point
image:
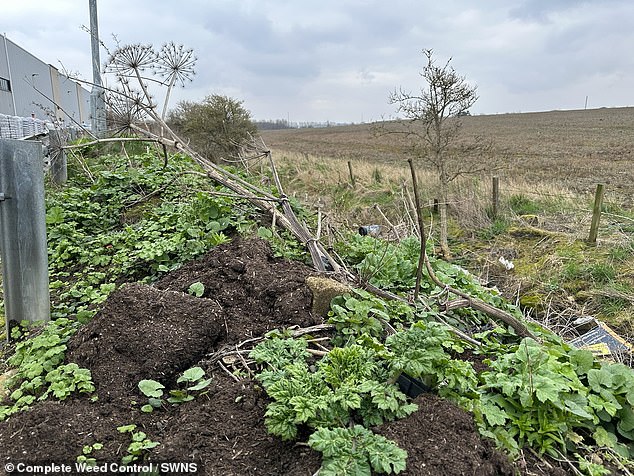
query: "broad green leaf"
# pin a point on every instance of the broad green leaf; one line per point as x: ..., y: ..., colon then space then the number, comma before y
x: 604, y: 437
x: 599, y: 378
x: 265, y: 233
x: 494, y: 414
x: 200, y: 385
x: 577, y: 409
x: 191, y: 375
x: 196, y: 289
x: 583, y: 360
x: 151, y: 388
x: 626, y: 419
x: 546, y: 389
x: 126, y: 428
x: 155, y: 402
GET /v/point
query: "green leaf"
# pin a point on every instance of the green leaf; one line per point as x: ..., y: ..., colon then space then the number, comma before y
x: 578, y: 410
x: 151, y: 388
x: 604, y: 438
x: 147, y: 408
x: 191, y: 375
x: 599, y: 378
x: 196, y: 289
x: 200, y: 385
x: 583, y: 360
x: 179, y: 396
x: 55, y: 215
x: 265, y: 233
x: 155, y: 402
x: 494, y: 414
x: 546, y: 389
x: 126, y: 428
x: 626, y: 419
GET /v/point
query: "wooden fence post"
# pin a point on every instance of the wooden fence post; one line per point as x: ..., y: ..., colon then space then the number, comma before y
x: 59, y: 164
x: 352, y: 180
x: 496, y: 197
x: 596, y: 214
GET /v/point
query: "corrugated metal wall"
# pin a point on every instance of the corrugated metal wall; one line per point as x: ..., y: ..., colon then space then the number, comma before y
x: 28, y: 75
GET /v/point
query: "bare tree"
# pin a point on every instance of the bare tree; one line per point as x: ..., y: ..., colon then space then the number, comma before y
x: 432, y: 124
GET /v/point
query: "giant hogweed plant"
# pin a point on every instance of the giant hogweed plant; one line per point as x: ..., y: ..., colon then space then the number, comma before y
x: 556, y: 399
x: 547, y: 396
x: 392, y: 266
x: 352, y: 389
x: 40, y: 370
x: 117, y: 228
x: 338, y: 399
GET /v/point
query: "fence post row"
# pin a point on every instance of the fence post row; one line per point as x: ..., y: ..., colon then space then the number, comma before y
x: 23, y: 232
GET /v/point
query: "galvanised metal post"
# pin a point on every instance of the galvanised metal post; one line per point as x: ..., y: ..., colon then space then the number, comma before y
x: 23, y: 232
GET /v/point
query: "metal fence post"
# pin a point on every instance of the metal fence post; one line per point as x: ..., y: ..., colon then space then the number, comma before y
x: 23, y: 232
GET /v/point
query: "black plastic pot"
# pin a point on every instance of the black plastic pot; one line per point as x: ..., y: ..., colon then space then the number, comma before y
x: 410, y: 386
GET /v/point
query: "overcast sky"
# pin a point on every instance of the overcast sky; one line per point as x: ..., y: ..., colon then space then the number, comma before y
x: 338, y: 60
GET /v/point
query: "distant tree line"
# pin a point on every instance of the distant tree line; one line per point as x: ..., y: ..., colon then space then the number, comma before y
x: 277, y: 124
x: 272, y: 125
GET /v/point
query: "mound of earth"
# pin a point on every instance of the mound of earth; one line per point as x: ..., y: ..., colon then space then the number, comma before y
x: 157, y: 332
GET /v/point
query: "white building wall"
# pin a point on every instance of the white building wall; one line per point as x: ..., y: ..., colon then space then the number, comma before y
x: 36, y: 88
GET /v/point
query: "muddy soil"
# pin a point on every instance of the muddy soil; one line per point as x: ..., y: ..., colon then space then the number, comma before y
x: 157, y: 332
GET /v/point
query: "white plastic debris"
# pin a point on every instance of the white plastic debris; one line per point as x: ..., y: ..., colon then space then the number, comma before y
x: 506, y: 263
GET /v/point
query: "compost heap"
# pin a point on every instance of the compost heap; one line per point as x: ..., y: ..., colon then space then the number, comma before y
x: 156, y: 332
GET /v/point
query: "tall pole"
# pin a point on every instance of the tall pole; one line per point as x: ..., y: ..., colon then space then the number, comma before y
x: 97, y: 102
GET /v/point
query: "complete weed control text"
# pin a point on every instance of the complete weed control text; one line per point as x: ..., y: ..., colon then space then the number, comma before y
x: 105, y: 468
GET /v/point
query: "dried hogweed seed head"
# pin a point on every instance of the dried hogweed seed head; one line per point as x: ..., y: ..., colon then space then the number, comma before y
x: 131, y: 58
x: 175, y: 63
x: 124, y: 109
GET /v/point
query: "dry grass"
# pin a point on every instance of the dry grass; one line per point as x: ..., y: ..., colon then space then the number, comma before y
x: 559, y: 150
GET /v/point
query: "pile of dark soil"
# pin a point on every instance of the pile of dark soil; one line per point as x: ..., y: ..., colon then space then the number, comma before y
x: 157, y: 332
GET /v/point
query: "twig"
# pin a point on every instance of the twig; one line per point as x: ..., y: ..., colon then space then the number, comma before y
x: 564, y: 460
x: 392, y: 227
x: 615, y: 458
x: 409, y: 204
x: 244, y: 362
x: 318, y: 353
x: 109, y: 139
x: 228, y: 372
